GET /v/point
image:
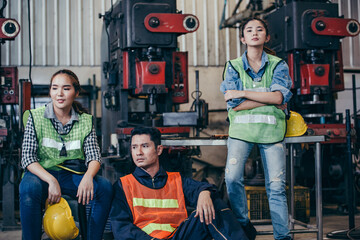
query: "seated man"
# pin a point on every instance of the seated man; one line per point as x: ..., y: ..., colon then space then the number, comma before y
x: 151, y: 203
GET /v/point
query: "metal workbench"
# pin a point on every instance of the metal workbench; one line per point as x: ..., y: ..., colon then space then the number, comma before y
x: 318, y: 228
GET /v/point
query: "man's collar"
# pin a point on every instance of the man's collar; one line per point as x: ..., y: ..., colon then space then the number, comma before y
x: 142, y: 173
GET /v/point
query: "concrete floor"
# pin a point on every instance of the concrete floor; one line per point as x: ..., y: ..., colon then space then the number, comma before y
x: 331, y: 222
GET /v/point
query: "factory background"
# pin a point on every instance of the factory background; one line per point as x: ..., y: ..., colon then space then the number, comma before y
x: 69, y: 34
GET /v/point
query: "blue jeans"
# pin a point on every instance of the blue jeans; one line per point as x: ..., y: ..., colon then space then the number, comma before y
x: 34, y: 192
x: 274, y: 161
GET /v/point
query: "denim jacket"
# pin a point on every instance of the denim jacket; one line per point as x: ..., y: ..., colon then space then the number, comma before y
x: 281, y: 79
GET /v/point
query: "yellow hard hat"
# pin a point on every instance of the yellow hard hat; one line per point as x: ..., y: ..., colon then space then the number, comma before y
x: 58, y: 222
x: 296, y: 125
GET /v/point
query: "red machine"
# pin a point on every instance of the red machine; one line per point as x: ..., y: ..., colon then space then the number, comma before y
x: 145, y: 77
x: 310, y: 42
x: 307, y: 35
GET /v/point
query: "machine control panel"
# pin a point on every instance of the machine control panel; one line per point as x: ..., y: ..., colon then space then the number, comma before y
x: 9, y: 88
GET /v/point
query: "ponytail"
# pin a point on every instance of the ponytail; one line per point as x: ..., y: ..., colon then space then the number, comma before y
x: 78, y: 107
x: 269, y: 51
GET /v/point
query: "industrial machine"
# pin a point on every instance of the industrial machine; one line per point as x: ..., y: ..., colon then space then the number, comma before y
x: 309, y: 40
x: 9, y: 128
x: 307, y: 35
x: 145, y: 78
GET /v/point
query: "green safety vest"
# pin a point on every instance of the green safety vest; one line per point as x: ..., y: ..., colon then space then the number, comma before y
x: 264, y: 124
x: 50, y: 143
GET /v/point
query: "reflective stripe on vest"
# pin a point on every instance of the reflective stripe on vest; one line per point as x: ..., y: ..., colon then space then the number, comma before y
x: 267, y: 119
x: 51, y: 143
x: 158, y: 227
x: 156, y: 203
x: 158, y: 212
x: 264, y: 124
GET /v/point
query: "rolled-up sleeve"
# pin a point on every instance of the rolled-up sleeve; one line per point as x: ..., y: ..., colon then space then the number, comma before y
x: 231, y: 81
x: 91, y: 148
x: 282, y: 81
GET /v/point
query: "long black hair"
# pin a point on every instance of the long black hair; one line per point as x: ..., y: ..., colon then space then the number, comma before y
x: 75, y: 82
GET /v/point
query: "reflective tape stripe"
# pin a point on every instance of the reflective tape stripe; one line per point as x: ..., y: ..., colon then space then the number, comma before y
x: 73, y: 145
x: 259, y: 89
x: 267, y: 119
x: 156, y: 203
x: 51, y: 143
x: 157, y: 226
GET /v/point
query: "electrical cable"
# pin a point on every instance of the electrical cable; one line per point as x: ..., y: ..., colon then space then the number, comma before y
x: 223, y: 16
x: 107, y: 30
x: 350, y: 231
x: 193, y: 104
x: 30, y: 52
x: 2, y: 9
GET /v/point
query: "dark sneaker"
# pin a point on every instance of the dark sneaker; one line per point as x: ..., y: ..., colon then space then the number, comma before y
x: 250, y: 231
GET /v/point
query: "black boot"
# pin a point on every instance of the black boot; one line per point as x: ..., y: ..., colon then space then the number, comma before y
x: 250, y: 231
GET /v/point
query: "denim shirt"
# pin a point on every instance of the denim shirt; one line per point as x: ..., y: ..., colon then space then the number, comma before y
x: 281, y: 79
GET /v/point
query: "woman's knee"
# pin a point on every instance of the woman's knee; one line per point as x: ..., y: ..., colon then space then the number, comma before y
x: 31, y: 188
x: 104, y: 186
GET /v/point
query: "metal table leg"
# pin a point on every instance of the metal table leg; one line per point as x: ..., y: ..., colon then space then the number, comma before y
x: 292, y: 193
x: 318, y: 191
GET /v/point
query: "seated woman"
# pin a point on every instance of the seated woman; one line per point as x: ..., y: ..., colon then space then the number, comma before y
x: 61, y: 155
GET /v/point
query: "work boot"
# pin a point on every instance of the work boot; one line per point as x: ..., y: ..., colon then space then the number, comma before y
x: 250, y: 231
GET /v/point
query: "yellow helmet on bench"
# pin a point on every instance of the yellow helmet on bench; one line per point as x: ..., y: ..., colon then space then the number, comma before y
x: 296, y: 125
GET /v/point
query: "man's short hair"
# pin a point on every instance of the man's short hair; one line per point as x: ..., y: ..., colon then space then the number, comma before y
x: 154, y: 134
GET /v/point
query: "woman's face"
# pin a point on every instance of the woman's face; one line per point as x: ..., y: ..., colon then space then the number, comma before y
x: 254, y: 34
x: 62, y: 92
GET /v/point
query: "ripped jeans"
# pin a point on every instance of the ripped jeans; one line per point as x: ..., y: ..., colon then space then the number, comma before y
x: 274, y: 163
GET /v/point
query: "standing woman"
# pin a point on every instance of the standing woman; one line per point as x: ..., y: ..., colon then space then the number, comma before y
x: 61, y: 155
x: 256, y: 88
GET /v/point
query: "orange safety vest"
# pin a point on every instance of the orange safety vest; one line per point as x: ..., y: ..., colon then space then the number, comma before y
x: 158, y: 212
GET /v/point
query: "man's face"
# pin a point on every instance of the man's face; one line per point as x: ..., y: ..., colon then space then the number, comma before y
x: 144, y: 152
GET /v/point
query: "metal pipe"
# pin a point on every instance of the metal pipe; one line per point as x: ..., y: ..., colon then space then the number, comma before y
x: 21, y: 104
x: 197, y: 102
x: 94, y: 92
x: 19, y: 39
x: 318, y: 193
x: 350, y: 185
x: 292, y: 193
x: 206, y: 50
x: 194, y: 35
x: 43, y: 33
x: 354, y: 103
x: 216, y: 33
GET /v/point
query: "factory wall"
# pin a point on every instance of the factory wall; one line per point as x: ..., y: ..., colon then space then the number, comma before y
x: 67, y: 34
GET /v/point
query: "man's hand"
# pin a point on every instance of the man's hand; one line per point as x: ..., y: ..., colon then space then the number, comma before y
x: 205, y: 207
